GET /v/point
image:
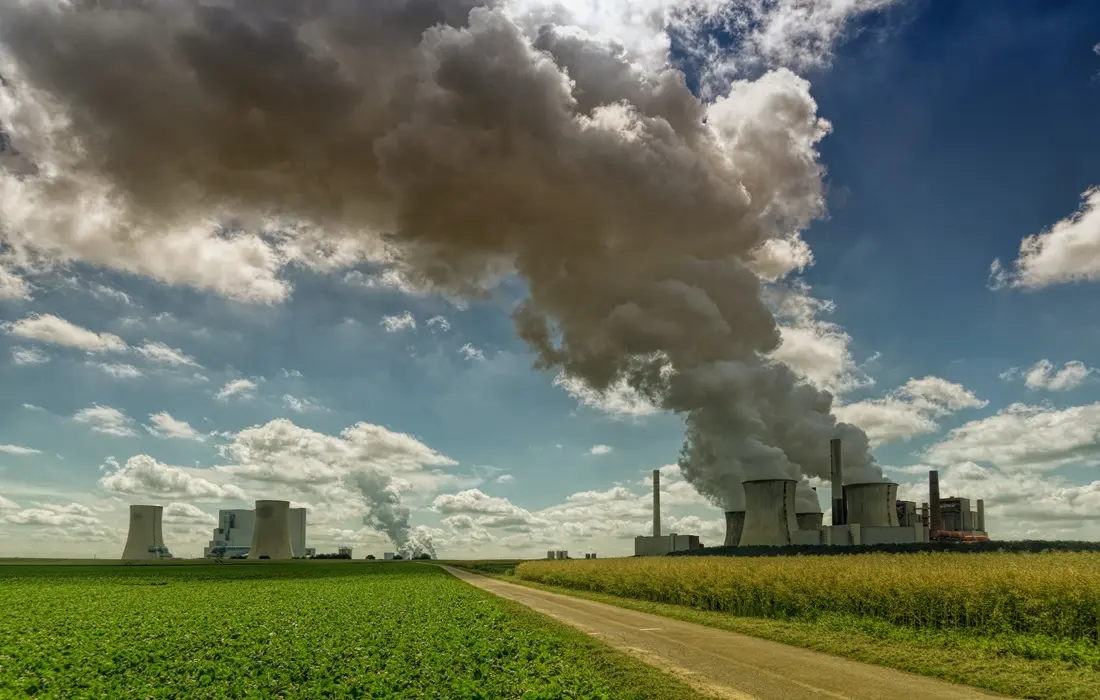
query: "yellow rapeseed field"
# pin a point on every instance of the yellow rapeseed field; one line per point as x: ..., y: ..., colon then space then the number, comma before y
x: 1055, y: 594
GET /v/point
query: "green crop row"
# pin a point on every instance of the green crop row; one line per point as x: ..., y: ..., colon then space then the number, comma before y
x: 1052, y: 594
x: 287, y: 631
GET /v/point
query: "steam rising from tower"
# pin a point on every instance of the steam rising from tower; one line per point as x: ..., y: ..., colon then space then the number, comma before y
x: 459, y: 143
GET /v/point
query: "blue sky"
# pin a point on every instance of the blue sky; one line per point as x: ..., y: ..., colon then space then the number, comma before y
x: 958, y: 130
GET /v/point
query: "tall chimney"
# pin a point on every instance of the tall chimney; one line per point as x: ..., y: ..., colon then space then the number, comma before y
x: 934, y: 499
x: 839, y: 514
x: 656, y: 502
x: 981, y: 515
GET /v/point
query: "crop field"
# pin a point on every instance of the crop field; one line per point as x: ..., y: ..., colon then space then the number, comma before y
x: 309, y: 630
x: 1055, y: 595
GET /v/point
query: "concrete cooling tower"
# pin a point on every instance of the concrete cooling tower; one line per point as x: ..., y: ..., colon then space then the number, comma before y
x: 808, y: 521
x: 872, y: 505
x: 769, y: 512
x: 271, y: 532
x: 735, y: 524
x: 146, y: 539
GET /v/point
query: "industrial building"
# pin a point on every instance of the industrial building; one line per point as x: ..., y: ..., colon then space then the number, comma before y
x: 145, y: 539
x: 658, y: 545
x: 234, y: 534
x: 950, y: 519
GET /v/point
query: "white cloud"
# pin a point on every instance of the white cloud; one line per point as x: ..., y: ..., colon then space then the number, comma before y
x: 144, y: 476
x: 187, y: 514
x: 17, y: 450
x: 1043, y: 375
x: 388, y: 279
x: 107, y: 420
x: 301, y: 405
x: 32, y: 407
x: 438, y: 323
x: 28, y: 356
x: 56, y: 515
x: 47, y: 328
x: 505, y: 479
x: 1023, y: 437
x: 910, y: 410
x: 118, y: 371
x: 12, y: 286
x: 471, y: 353
x: 238, y: 388
x: 619, y: 400
x: 779, y: 257
x: 163, y: 425
x: 816, y: 349
x: 393, y: 324
x: 291, y: 374
x: 599, y: 450
x: 7, y: 504
x: 161, y: 353
x: 1069, y: 251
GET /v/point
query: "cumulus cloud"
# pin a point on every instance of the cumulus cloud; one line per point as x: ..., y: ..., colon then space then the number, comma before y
x: 439, y: 324
x: 471, y: 353
x: 54, y: 515
x: 1044, y: 376
x: 301, y: 405
x: 162, y: 354
x: 18, y: 450
x: 387, y: 279
x: 47, y: 328
x: 1022, y: 437
x: 12, y: 286
x: 28, y: 356
x: 1069, y: 251
x: 236, y: 389
x: 106, y: 420
x: 599, y: 450
x: 909, y: 411
x: 400, y: 322
x: 187, y: 514
x: 619, y: 400
x: 163, y: 425
x: 143, y: 475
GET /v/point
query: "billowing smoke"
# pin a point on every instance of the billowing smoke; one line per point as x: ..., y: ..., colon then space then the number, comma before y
x: 386, y: 514
x: 806, y: 500
x: 212, y: 143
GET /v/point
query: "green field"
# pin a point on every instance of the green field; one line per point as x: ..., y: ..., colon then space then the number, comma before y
x: 1027, y: 625
x: 292, y: 630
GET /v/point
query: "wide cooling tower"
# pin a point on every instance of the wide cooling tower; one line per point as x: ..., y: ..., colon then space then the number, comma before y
x: 769, y: 512
x: 735, y: 524
x: 872, y: 505
x: 271, y: 533
x: 808, y: 521
x: 145, y: 539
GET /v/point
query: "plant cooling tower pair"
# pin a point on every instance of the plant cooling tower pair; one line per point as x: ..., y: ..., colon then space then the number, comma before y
x: 270, y: 535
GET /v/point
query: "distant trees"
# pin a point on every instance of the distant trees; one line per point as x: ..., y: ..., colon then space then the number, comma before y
x: 423, y: 555
x: 339, y: 555
x: 370, y: 556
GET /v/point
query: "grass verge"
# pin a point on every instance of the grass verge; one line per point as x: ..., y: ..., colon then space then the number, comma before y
x: 1015, y: 665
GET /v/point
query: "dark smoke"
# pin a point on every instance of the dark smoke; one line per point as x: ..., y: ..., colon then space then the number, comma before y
x: 465, y: 148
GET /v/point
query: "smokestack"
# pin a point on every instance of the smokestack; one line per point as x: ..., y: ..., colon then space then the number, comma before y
x: 145, y: 538
x: 271, y: 532
x: 934, y: 499
x: 769, y: 512
x: 656, y: 502
x: 872, y: 505
x: 735, y: 524
x: 839, y: 514
x: 981, y: 515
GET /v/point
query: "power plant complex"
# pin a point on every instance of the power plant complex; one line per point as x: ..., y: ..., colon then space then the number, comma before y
x: 273, y: 530
x: 862, y: 514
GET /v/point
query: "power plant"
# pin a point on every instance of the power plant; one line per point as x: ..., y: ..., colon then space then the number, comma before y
x: 145, y: 539
x: 235, y: 534
x: 863, y: 513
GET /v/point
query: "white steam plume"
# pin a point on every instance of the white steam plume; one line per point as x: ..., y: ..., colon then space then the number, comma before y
x: 463, y: 145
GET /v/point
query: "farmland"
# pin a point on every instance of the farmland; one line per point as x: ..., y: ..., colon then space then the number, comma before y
x: 291, y: 630
x: 1022, y: 624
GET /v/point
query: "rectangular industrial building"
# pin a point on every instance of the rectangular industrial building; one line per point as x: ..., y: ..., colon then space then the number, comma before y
x: 659, y: 546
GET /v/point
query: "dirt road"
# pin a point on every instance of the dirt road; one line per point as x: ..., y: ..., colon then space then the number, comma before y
x: 726, y: 664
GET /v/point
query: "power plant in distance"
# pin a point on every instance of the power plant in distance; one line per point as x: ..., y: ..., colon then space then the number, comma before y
x: 862, y: 514
x: 145, y: 540
x: 272, y: 530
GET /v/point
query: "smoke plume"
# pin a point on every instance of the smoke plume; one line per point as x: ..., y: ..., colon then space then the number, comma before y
x: 386, y: 514
x: 213, y: 142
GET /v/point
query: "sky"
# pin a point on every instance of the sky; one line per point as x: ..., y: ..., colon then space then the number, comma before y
x: 945, y: 295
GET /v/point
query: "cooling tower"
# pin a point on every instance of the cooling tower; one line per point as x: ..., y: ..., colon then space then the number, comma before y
x: 837, y: 472
x: 735, y: 524
x: 934, y: 500
x: 808, y: 521
x: 769, y: 512
x: 271, y: 533
x: 872, y: 505
x: 656, y: 502
x: 145, y: 533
